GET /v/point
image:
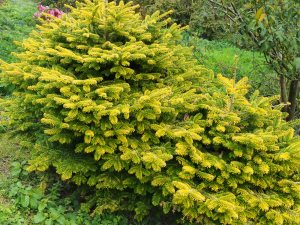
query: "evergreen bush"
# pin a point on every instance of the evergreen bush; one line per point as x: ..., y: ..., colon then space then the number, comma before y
x: 113, y: 102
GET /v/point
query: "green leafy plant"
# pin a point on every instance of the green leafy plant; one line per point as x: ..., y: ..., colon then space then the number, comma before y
x: 112, y: 101
x: 33, y: 203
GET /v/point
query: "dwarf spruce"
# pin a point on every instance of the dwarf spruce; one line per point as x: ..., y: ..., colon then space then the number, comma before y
x: 113, y: 102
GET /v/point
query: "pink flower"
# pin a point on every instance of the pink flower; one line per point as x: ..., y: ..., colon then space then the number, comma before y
x: 51, y: 12
x: 45, y: 9
x: 42, y: 8
x: 57, y: 13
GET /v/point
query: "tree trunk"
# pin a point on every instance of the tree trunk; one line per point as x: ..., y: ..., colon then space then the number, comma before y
x: 283, y: 92
x: 293, y: 94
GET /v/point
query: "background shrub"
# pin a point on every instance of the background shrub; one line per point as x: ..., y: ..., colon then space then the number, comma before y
x: 196, y: 14
x: 111, y: 101
x: 58, y: 3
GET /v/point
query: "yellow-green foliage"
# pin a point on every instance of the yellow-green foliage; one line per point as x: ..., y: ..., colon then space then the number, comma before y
x: 114, y: 103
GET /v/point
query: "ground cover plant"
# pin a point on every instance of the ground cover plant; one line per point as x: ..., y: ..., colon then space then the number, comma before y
x: 32, y: 202
x: 111, y: 101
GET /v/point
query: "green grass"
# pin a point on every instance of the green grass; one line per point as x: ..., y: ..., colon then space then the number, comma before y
x: 16, y: 22
x: 220, y: 57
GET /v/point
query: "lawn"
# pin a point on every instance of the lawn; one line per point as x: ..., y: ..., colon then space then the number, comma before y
x: 16, y: 22
x: 224, y: 58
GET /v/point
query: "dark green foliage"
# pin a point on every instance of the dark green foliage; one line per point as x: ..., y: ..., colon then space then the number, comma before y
x: 196, y: 14
x: 58, y: 3
x: 183, y: 10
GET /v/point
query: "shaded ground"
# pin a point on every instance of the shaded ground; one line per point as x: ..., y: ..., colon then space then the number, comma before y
x: 9, y: 151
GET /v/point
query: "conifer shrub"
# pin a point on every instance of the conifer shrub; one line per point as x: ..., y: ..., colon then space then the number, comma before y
x: 111, y: 101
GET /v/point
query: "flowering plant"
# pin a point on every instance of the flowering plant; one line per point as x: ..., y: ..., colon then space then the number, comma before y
x: 45, y: 9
